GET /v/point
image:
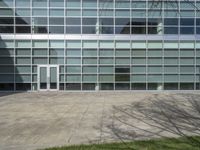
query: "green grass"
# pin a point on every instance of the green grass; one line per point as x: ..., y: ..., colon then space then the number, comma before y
x: 189, y: 143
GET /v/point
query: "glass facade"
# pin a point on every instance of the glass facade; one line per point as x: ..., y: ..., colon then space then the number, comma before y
x: 99, y: 45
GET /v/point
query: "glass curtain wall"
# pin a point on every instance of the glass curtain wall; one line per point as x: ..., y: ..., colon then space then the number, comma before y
x: 100, y: 44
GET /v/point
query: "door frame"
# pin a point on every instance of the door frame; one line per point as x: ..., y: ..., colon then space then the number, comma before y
x: 48, y: 77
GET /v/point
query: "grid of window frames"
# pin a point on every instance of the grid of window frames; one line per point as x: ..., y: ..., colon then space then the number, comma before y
x: 99, y: 17
x: 112, y: 65
x: 106, y: 64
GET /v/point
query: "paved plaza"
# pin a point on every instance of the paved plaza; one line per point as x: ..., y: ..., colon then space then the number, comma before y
x: 30, y: 121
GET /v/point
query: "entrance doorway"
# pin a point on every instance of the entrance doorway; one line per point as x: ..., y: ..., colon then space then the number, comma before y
x: 48, y: 77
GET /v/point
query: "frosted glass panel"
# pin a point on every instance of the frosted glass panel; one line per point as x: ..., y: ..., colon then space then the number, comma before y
x: 56, y: 44
x: 73, y: 61
x: 106, y: 78
x: 108, y: 52
x: 106, y: 44
x: 188, y: 70
x: 89, y: 52
x: 122, y: 60
x: 138, y: 69
x: 73, y: 78
x: 139, y: 45
x: 187, y: 45
x: 6, y: 43
x: 89, y: 13
x: 186, y: 78
x: 155, y: 69
x: 155, y: 78
x: 122, y: 44
x: 23, y: 60
x: 155, y: 45
x: 171, y: 78
x: 137, y: 53
x: 122, y: 52
x: 73, y: 3
x: 139, y: 78
x: 89, y: 78
x: 106, y: 69
x: 170, y: 70
x: 106, y: 60
x: 23, y: 44
x: 23, y: 78
x: 198, y: 45
x: 89, y: 69
x: 40, y: 44
x: 73, y: 69
x: 139, y: 61
x: 171, y: 45
x: 90, y: 44
x: 73, y: 44
x: 89, y: 3
x: 23, y: 69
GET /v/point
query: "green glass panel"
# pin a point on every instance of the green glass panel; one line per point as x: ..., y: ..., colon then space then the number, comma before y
x: 171, y: 78
x: 122, y: 52
x: 23, y: 60
x: 138, y: 69
x: 89, y: 78
x: 171, y: 70
x: 89, y: 3
x: 106, y: 78
x: 154, y: 78
x: 122, y: 44
x: 73, y: 78
x: 23, y: 44
x: 170, y: 45
x: 90, y: 44
x: 139, y: 45
x: 73, y: 69
x: 89, y: 52
x: 90, y: 69
x: 155, y: 69
x: 40, y: 52
x: 23, y: 52
x: 122, y: 60
x: 188, y: 70
x: 73, y: 3
x: 40, y: 44
x: 187, y: 78
x: 23, y: 69
x: 73, y: 52
x: 73, y: 44
x: 187, y: 45
x: 105, y: 69
x: 7, y: 44
x: 89, y: 12
x: 89, y: 60
x: 106, y: 52
x: 171, y: 61
x: 106, y: 61
x: 56, y: 60
x: 73, y: 61
x: 138, y: 78
x: 155, y: 45
x: 56, y: 44
x: 73, y: 12
x: 106, y: 44
x: 40, y: 60
x: 22, y: 78
x: 139, y: 61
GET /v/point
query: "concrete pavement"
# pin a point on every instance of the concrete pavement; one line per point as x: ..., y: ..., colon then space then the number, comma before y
x: 30, y: 121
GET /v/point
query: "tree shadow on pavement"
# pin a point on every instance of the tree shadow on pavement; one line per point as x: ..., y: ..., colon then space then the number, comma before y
x: 160, y: 116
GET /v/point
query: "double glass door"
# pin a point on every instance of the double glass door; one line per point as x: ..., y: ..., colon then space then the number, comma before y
x: 48, y: 77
